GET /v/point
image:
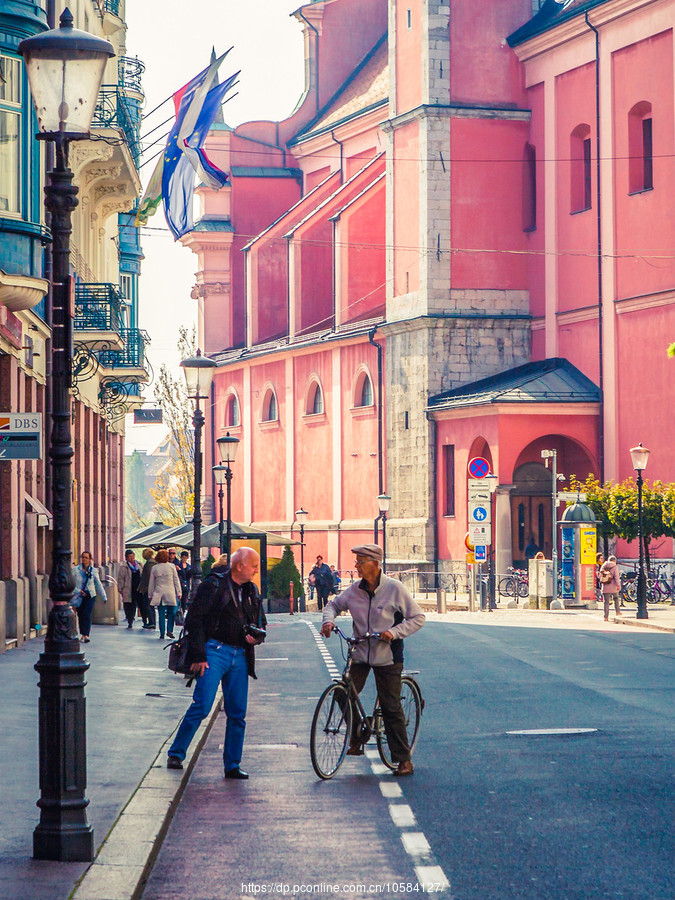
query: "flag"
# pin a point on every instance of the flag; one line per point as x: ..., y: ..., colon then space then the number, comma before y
x: 196, y: 106
x: 152, y: 196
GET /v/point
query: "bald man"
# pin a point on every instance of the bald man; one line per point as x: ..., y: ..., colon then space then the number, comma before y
x: 224, y: 623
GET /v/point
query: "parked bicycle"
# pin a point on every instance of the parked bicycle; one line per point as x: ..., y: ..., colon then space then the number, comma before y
x: 515, y: 584
x: 340, y: 705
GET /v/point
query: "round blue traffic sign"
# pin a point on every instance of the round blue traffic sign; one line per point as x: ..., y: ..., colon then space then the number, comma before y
x: 479, y: 467
x: 479, y: 514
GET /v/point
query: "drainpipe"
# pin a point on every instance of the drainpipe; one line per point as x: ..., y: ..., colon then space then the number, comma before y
x: 316, y: 55
x: 341, y: 146
x: 380, y: 441
x: 601, y: 429
x: 213, y: 448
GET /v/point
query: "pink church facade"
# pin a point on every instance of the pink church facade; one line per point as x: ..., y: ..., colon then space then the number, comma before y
x: 426, y: 262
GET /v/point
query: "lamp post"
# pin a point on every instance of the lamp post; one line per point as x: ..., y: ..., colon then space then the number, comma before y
x: 220, y: 474
x: 227, y: 447
x: 553, y: 456
x: 198, y: 372
x: 301, y: 517
x: 383, y: 501
x: 65, y: 70
x: 639, y: 456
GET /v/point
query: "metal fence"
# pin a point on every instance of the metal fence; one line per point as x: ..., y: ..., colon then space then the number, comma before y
x: 98, y: 307
x: 113, y: 110
x: 132, y: 355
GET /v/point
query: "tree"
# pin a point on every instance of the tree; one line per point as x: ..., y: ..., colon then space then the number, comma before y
x: 138, y: 499
x: 280, y: 577
x: 624, y: 512
x: 173, y: 491
x: 671, y: 351
x: 598, y: 497
x: 669, y: 509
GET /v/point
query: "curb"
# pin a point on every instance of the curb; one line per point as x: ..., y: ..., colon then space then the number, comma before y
x: 125, y: 859
x: 642, y: 623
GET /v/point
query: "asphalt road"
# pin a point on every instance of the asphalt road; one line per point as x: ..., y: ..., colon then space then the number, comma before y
x: 520, y: 817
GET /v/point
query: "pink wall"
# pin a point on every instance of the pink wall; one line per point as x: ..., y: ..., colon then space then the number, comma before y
x: 313, y: 436
x: 268, y: 478
x: 314, y: 277
x: 363, y: 229
x: 359, y: 436
x: 577, y: 232
x: 406, y: 209
x: 644, y: 222
x: 486, y: 205
x: 578, y: 342
x: 535, y: 240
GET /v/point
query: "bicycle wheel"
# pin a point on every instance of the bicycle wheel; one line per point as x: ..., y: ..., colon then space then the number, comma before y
x: 507, y: 586
x: 523, y: 589
x: 331, y: 727
x: 411, y: 701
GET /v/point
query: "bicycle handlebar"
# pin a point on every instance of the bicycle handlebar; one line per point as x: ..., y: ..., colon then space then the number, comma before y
x: 353, y: 641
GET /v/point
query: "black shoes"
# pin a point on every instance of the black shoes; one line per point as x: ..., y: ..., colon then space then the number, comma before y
x: 169, y: 634
x: 236, y: 773
x: 173, y: 762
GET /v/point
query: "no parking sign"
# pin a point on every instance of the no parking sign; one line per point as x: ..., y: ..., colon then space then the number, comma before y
x: 479, y: 467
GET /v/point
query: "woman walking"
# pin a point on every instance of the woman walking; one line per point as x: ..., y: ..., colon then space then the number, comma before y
x: 611, y: 584
x: 164, y: 591
x: 87, y: 588
x: 147, y: 612
x: 128, y: 581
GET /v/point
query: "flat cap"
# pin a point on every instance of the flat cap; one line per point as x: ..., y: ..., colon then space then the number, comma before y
x: 370, y: 550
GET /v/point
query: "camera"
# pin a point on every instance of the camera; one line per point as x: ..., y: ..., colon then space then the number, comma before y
x: 258, y: 633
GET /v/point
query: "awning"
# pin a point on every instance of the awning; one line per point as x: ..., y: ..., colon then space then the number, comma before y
x: 44, y: 516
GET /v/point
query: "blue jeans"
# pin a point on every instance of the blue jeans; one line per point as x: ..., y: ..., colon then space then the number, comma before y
x: 84, y: 611
x: 168, y: 613
x: 227, y: 666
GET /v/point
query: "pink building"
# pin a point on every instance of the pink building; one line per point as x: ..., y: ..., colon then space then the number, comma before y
x: 426, y: 262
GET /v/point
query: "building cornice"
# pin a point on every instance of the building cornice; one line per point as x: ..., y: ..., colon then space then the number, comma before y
x: 481, y: 410
x: 456, y: 111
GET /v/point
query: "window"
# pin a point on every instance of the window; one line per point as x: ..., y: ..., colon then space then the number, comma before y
x: 409, y: 19
x: 232, y: 415
x: 449, y: 471
x: 10, y: 129
x: 580, y: 169
x: 363, y: 395
x: 270, y: 410
x: 640, y: 151
x: 315, y: 400
x: 529, y: 188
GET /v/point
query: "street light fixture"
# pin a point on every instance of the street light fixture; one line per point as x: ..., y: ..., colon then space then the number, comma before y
x: 227, y: 447
x: 65, y: 69
x: 383, y: 501
x: 198, y: 371
x: 301, y: 517
x: 639, y: 456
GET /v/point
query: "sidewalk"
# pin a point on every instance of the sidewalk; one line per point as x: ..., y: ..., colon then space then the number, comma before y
x: 134, y: 705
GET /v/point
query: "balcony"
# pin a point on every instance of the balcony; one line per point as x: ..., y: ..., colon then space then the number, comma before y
x: 129, y: 361
x: 111, y: 6
x: 99, y: 316
x: 115, y: 110
x: 129, y: 74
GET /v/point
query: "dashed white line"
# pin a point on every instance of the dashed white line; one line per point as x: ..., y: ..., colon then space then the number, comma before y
x: 402, y: 815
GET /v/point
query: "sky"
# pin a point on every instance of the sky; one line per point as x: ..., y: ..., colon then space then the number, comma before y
x: 174, y: 41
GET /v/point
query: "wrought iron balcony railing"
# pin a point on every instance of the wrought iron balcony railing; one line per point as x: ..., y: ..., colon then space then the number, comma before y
x: 133, y: 354
x: 98, y: 307
x: 112, y: 6
x: 113, y: 110
x: 129, y: 73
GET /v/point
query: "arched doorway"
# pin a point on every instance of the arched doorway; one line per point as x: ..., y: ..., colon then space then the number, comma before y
x: 531, y: 511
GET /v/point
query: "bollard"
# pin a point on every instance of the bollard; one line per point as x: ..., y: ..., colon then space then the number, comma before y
x: 440, y: 601
x: 291, y: 599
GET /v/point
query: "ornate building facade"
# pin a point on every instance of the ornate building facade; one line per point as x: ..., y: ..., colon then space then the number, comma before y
x: 109, y: 362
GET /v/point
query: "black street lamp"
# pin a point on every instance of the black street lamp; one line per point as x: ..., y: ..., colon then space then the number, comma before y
x: 65, y: 69
x: 220, y: 475
x: 639, y: 456
x: 227, y: 446
x: 301, y: 517
x: 198, y: 372
x: 383, y: 501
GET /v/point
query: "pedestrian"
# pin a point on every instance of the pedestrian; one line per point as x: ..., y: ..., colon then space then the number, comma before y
x: 147, y: 611
x: 128, y: 581
x: 323, y: 581
x: 531, y: 549
x: 224, y: 623
x: 87, y: 588
x: 599, y: 560
x: 381, y: 604
x: 164, y: 592
x: 336, y: 580
x: 185, y: 577
x: 311, y: 581
x: 611, y: 585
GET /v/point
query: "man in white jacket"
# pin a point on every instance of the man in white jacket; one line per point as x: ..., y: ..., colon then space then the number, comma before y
x: 379, y: 604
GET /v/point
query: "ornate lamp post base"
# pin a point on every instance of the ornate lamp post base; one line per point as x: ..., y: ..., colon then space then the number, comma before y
x: 63, y: 833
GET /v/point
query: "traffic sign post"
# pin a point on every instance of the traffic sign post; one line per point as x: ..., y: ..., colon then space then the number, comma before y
x: 481, y: 553
x: 479, y: 513
x: 480, y: 534
x: 20, y: 436
x: 479, y: 467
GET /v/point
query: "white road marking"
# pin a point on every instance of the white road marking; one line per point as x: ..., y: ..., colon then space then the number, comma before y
x: 432, y: 878
x: 416, y: 844
x: 402, y: 815
x: 138, y: 669
x: 390, y: 789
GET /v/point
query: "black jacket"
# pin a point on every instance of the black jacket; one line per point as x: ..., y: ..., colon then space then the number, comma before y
x: 214, y: 609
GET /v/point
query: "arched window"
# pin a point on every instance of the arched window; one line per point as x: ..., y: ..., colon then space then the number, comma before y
x: 315, y: 399
x: 270, y: 408
x: 580, y: 169
x: 529, y: 188
x: 640, y: 152
x: 232, y: 413
x: 364, y: 391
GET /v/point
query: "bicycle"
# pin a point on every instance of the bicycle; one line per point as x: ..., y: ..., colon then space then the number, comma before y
x: 516, y: 583
x: 331, y: 730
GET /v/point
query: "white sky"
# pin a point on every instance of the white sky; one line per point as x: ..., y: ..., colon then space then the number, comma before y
x: 174, y: 41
